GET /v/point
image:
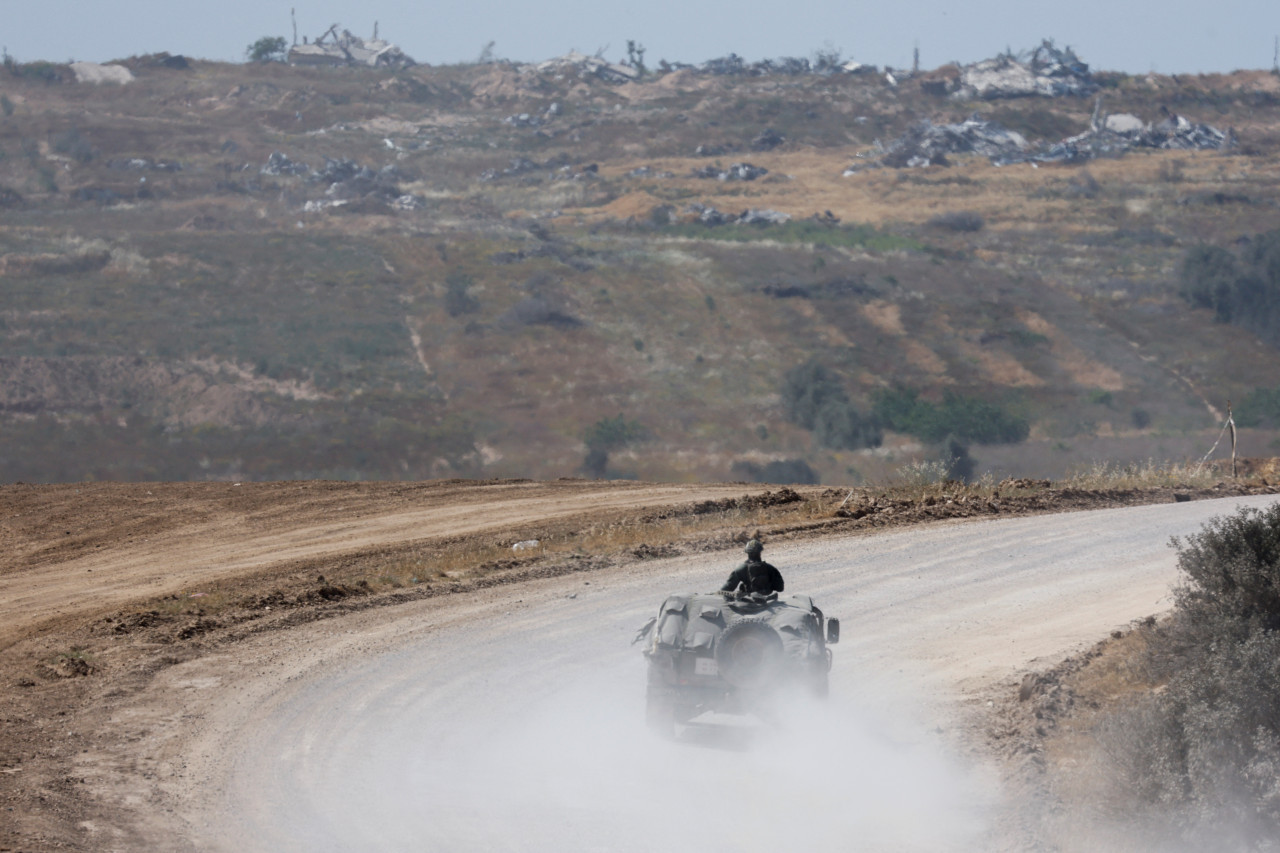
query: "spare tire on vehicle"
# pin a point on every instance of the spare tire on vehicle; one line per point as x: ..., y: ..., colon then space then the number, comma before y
x: 749, y: 653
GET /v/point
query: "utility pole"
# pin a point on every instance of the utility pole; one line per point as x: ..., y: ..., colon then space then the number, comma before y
x: 915, y: 61
x: 293, y: 13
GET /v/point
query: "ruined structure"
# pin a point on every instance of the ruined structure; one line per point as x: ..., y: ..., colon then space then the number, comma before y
x: 333, y: 50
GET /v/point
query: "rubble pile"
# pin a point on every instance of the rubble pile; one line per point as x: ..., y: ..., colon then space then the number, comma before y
x: 144, y: 164
x: 333, y: 49
x: 348, y: 180
x: 279, y: 164
x: 928, y: 144
x: 708, y: 215
x: 582, y: 65
x: 559, y: 167
x: 736, y: 172
x: 1121, y: 132
x: 767, y: 140
x: 790, y: 66
x: 1047, y: 71
x: 345, y: 181
x: 588, y: 66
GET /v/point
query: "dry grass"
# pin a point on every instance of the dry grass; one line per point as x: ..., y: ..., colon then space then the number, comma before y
x: 619, y: 538
x: 1152, y: 473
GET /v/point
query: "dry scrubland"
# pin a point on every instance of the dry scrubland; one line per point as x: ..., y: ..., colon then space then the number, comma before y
x: 171, y: 312
x: 109, y: 586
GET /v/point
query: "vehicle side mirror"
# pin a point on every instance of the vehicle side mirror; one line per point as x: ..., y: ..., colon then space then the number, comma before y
x: 833, y: 630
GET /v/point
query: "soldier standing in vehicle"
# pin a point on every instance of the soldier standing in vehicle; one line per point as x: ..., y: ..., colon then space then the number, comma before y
x: 755, y: 575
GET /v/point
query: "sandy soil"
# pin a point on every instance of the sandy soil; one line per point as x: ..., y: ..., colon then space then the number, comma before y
x: 129, y: 728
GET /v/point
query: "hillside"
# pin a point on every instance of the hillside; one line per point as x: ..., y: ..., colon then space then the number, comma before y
x: 268, y: 272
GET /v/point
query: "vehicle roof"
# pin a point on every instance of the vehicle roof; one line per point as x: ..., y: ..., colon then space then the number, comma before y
x: 681, y: 601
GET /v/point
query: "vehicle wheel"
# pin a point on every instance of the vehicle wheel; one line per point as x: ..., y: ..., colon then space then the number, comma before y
x: 749, y: 654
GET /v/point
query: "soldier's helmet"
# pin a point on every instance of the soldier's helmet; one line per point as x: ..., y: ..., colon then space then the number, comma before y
x: 754, y: 548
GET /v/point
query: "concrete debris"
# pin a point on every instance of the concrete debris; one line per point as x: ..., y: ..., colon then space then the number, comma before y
x: 1125, y: 123
x: 711, y: 150
x: 852, y: 67
x: 1116, y: 134
x: 708, y: 215
x: 736, y: 172
x: 524, y: 120
x: 320, y: 205
x: 788, y: 66
x: 585, y: 66
x: 928, y: 144
x: 279, y: 164
x: 347, y: 179
x: 408, y: 202
x: 1047, y: 71
x: 763, y: 216
x: 92, y: 72
x: 144, y: 164
x: 333, y: 49
x: 558, y: 168
x: 767, y: 140
x: 648, y: 172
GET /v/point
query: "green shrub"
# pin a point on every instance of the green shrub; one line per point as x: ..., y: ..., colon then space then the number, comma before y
x: 73, y: 144
x: 267, y: 49
x: 955, y: 456
x: 606, y: 435
x: 1259, y: 408
x: 1204, y: 751
x: 457, y: 300
x: 40, y: 71
x: 814, y: 399
x: 1242, y: 289
x: 1233, y: 572
x: 966, y: 418
x: 962, y: 221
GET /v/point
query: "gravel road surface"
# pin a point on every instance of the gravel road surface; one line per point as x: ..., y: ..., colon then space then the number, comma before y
x: 513, y: 720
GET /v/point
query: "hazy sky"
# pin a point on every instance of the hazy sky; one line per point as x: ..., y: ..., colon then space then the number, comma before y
x: 1173, y: 36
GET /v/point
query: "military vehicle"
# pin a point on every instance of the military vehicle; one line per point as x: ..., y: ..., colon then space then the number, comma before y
x: 733, y: 653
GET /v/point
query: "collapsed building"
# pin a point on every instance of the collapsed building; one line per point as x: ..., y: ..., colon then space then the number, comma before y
x: 1115, y: 134
x: 1047, y: 71
x: 928, y: 144
x: 610, y: 72
x: 334, y: 49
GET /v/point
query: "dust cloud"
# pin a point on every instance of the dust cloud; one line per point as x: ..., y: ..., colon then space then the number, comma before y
x: 578, y: 770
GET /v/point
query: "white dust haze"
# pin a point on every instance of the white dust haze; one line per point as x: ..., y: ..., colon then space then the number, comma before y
x: 577, y: 770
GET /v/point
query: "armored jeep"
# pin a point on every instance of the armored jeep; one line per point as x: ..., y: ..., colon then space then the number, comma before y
x: 733, y: 653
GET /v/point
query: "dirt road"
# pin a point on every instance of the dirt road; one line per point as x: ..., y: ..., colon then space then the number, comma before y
x: 79, y: 550
x: 510, y: 719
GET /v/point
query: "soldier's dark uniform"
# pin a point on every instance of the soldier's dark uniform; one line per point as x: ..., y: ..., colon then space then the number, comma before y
x: 755, y: 575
